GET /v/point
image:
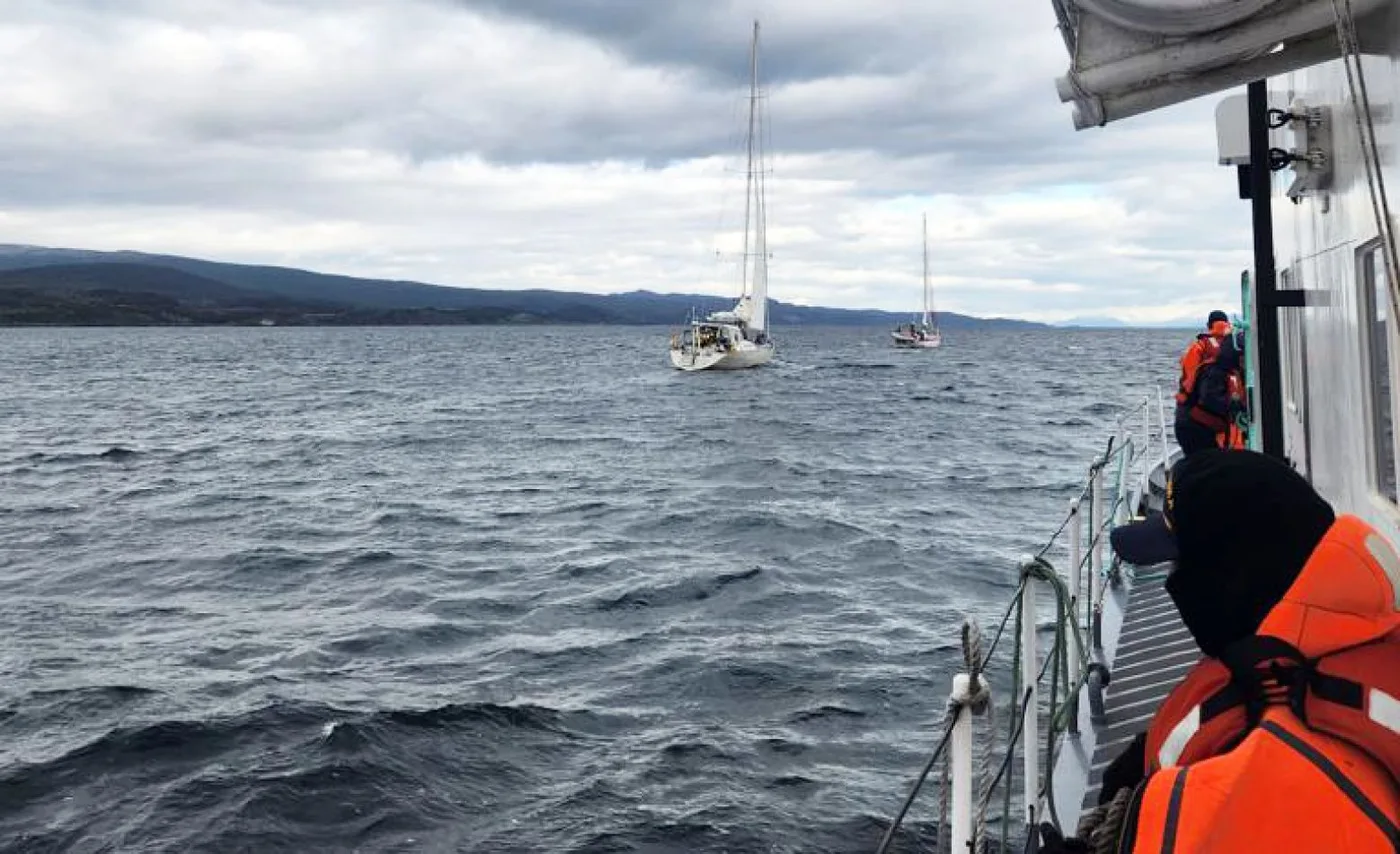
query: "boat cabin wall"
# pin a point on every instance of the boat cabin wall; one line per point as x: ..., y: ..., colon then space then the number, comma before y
x: 1341, y: 351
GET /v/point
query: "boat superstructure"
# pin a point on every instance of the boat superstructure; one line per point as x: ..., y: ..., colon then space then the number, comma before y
x: 738, y: 338
x: 1312, y: 137
x: 924, y: 335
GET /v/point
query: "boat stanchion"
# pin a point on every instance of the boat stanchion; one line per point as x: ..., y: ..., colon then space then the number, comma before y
x: 1162, y: 426
x: 1146, y: 453
x: 1074, y: 626
x: 1030, y: 713
x: 970, y: 696
x: 1096, y: 526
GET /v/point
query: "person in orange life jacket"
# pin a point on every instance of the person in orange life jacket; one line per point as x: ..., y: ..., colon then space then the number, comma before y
x: 1191, y: 434
x: 1286, y: 736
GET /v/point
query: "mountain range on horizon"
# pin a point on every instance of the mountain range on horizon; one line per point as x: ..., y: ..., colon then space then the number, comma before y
x: 1101, y: 322
x: 57, y: 286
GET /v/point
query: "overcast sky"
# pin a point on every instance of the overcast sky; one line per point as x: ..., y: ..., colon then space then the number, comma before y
x: 596, y: 145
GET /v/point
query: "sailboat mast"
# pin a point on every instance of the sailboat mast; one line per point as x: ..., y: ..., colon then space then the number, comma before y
x: 927, y: 307
x: 749, y: 186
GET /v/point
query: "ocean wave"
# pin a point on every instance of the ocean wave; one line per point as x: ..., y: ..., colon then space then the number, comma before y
x: 437, y: 589
x: 685, y: 590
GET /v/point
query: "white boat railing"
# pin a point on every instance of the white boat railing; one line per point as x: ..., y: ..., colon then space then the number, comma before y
x: 1071, y: 666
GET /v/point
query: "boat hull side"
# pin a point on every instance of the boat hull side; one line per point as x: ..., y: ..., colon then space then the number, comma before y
x: 719, y: 360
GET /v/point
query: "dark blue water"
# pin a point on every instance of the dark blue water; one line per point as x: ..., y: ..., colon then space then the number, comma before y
x: 508, y: 589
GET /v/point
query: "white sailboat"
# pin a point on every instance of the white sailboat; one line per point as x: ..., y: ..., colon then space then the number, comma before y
x: 924, y: 335
x: 738, y: 338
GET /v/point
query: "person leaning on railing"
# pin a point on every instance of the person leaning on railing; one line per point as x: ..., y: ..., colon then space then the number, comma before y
x: 1286, y: 735
x: 1192, y: 434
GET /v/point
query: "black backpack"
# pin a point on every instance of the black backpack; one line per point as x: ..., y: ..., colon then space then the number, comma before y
x: 1211, y: 391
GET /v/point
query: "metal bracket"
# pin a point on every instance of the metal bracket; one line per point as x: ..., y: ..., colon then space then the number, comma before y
x: 1311, y: 158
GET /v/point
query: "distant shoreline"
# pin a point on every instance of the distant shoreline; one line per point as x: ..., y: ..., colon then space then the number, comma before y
x: 373, y: 324
x: 42, y: 286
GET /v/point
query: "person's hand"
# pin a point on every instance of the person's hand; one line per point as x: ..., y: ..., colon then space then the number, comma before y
x: 1054, y: 842
x: 1126, y: 770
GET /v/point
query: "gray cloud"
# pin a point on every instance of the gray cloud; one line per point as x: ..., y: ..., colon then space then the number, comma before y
x: 424, y: 138
x: 801, y: 42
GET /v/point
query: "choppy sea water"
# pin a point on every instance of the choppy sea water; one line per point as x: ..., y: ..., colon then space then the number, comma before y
x: 490, y: 589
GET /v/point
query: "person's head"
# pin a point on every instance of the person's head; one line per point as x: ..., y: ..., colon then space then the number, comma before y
x: 1240, y: 525
x: 1218, y: 323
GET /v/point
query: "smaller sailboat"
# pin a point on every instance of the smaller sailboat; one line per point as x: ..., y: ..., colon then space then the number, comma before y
x: 924, y: 334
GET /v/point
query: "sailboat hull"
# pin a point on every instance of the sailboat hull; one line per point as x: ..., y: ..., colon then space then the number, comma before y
x: 911, y: 343
x: 749, y: 355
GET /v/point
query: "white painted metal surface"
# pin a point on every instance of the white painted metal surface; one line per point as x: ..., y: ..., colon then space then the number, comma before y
x: 1096, y: 520
x: 1076, y: 582
x: 961, y: 746
x: 1030, y: 733
x: 1323, y: 245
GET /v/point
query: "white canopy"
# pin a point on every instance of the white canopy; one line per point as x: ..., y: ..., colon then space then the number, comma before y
x: 1134, y: 56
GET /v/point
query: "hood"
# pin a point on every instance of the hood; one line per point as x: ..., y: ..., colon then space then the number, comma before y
x: 1346, y: 594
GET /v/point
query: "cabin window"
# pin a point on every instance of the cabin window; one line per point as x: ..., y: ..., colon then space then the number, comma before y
x: 1378, y: 342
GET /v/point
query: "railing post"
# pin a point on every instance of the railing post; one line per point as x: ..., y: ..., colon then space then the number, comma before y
x: 1030, y: 732
x: 961, y: 745
x: 1120, y: 492
x: 970, y: 697
x: 1076, y: 584
x: 1096, y: 524
x: 1146, y: 453
x: 1162, y: 423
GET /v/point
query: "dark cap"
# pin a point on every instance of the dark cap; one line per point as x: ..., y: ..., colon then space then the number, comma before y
x: 1240, y: 525
x: 1145, y: 543
x: 1215, y: 317
x: 1219, y: 497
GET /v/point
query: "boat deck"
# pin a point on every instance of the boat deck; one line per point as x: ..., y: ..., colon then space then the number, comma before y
x: 1147, y: 650
x: 1154, y: 652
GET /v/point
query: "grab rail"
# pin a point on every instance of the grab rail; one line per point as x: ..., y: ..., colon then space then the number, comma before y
x: 1070, y: 662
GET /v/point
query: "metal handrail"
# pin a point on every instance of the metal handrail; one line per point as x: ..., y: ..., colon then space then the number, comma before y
x: 1068, y: 661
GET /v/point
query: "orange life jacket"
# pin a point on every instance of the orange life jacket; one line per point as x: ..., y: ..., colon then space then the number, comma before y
x: 1296, y: 734
x: 1204, y: 349
x: 1285, y: 788
x: 1234, y: 436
